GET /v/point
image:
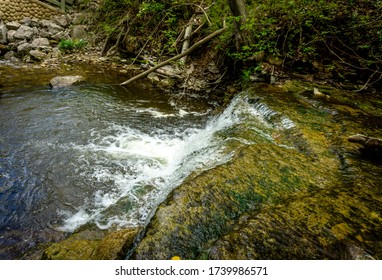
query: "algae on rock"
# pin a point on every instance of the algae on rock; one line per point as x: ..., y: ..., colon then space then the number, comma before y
x: 93, y: 245
x: 299, y: 195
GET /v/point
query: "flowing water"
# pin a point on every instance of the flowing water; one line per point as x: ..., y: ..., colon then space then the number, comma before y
x: 94, y: 153
x: 107, y: 155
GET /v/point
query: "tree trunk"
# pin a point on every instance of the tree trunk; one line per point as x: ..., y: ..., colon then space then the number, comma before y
x: 186, y: 43
x: 239, y: 11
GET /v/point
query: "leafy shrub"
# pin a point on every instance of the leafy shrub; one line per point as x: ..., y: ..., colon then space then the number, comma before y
x: 71, y: 45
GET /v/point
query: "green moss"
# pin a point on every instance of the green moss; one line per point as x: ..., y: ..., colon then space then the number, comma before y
x: 92, y: 245
x: 298, y: 195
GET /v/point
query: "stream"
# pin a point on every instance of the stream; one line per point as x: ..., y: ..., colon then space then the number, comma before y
x: 106, y: 155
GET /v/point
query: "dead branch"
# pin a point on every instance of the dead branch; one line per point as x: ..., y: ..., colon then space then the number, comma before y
x: 205, y: 14
x: 190, y: 50
x: 368, y: 82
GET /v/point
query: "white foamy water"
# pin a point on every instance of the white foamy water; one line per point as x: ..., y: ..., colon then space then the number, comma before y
x: 132, y: 171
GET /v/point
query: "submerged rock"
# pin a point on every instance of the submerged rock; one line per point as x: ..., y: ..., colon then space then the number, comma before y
x: 64, y: 81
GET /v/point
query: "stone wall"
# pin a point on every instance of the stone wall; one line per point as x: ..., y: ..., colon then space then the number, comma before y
x: 15, y: 10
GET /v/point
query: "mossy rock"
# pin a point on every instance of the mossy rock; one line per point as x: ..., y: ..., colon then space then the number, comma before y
x: 303, y: 194
x: 92, y: 245
x: 208, y: 206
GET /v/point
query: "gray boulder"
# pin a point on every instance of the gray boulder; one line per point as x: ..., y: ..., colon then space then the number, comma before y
x: 61, y: 20
x: 24, y: 48
x: 35, y: 22
x: 3, y: 33
x: 52, y: 27
x: 13, y: 25
x: 63, y: 35
x: 40, y: 43
x: 64, y: 81
x: 37, y: 55
x: 24, y: 32
x: 79, y: 32
x: 45, y: 33
x: 55, y: 53
x: 11, y: 36
x: 10, y: 56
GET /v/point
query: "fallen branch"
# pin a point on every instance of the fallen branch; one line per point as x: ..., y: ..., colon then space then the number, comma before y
x: 190, y: 50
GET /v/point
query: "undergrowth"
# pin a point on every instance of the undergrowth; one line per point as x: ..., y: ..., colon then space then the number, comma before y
x: 341, y: 37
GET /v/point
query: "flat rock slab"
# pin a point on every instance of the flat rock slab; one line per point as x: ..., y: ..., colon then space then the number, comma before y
x: 64, y: 81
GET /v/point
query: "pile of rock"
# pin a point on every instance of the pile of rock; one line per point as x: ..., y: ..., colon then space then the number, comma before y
x: 35, y: 40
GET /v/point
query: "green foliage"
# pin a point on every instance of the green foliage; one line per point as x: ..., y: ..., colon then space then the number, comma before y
x: 150, y: 8
x: 71, y: 45
x: 170, y: 36
x: 297, y: 31
x: 349, y: 32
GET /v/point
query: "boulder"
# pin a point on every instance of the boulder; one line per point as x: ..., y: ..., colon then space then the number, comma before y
x: 10, y: 56
x: 77, y: 18
x: 61, y: 20
x: 54, y: 28
x: 45, y: 33
x: 13, y: 25
x: 23, y: 48
x: 24, y: 32
x: 40, y: 43
x: 55, y: 53
x: 79, y: 32
x: 63, y: 35
x: 11, y: 36
x: 51, y: 27
x: 64, y: 81
x: 35, y: 22
x: 37, y: 55
x: 3, y: 33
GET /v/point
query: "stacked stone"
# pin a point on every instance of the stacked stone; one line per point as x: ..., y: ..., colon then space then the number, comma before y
x: 31, y: 39
x: 16, y: 10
